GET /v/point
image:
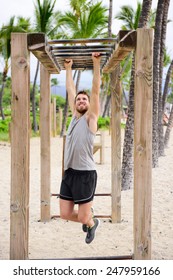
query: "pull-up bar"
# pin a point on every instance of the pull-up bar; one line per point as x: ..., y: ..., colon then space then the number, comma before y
x: 82, y: 41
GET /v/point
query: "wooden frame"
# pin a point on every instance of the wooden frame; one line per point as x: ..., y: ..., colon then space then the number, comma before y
x: 45, y: 138
x: 142, y: 39
x: 20, y: 147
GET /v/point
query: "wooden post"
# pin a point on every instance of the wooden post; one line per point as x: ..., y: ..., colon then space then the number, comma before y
x: 60, y: 119
x: 102, y: 149
x: 143, y: 144
x: 64, y: 139
x: 45, y: 134
x: 54, y: 126
x: 116, y: 145
x: 20, y: 146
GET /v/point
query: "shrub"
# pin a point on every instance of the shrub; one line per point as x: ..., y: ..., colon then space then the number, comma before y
x: 103, y: 123
x: 4, y: 125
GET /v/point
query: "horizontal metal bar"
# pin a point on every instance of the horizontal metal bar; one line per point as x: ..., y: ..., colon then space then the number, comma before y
x: 103, y: 194
x: 96, y: 216
x: 125, y: 257
x: 76, y: 52
x: 76, y: 41
x: 93, y: 47
x: 82, y: 65
x: 81, y: 61
x: 87, y: 55
x: 77, y: 67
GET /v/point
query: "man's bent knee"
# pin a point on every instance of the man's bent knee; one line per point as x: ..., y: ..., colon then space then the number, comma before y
x: 64, y: 216
x: 83, y: 218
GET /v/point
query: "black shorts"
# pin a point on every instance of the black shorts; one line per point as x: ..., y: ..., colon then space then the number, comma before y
x: 78, y: 185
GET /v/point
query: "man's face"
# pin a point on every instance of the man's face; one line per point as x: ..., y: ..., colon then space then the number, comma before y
x: 82, y: 103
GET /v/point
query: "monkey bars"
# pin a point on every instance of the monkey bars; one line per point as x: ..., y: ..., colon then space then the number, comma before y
x: 53, y: 53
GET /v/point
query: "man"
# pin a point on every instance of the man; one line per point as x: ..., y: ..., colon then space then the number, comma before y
x: 80, y: 177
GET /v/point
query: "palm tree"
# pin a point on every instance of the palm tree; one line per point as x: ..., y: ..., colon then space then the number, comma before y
x: 166, y: 85
x: 110, y: 18
x: 44, y: 22
x: 132, y: 19
x: 156, y: 82
x: 91, y: 23
x: 168, y: 129
x: 23, y: 25
x: 162, y: 56
x: 165, y: 94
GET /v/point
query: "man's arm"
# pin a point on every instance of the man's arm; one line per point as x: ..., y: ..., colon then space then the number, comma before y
x: 94, y: 99
x: 70, y: 86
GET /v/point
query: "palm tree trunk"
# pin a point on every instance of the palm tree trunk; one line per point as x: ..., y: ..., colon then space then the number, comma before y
x: 1, y: 95
x: 65, y: 115
x: 4, y: 77
x: 162, y: 49
x: 145, y: 13
x: 34, y: 124
x: 78, y: 80
x: 156, y: 65
x: 166, y: 86
x: 107, y: 104
x: 168, y: 129
x: 110, y: 19
x: 127, y: 160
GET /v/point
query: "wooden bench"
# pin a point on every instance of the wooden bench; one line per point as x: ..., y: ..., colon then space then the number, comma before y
x: 99, y: 145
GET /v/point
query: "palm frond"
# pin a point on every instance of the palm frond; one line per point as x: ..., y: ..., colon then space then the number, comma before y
x: 43, y: 15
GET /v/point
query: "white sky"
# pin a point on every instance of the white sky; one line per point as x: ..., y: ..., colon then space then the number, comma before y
x: 25, y: 8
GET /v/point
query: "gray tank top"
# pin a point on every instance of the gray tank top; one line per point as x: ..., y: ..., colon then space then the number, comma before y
x: 79, y: 145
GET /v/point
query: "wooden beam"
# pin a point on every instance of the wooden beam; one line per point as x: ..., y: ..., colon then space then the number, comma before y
x: 122, y: 50
x: 127, y: 38
x: 54, y: 118
x: 45, y: 136
x: 143, y: 144
x: 116, y: 145
x: 20, y: 146
x: 37, y: 44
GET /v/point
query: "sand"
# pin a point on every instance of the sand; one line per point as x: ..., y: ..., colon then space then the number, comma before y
x: 62, y: 239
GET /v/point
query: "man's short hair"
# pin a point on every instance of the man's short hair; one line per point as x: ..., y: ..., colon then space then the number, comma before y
x: 82, y: 92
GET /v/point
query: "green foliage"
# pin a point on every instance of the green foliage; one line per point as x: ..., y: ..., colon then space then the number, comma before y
x: 60, y: 101
x: 129, y: 16
x: 54, y: 82
x: 4, y: 125
x: 44, y: 15
x: 4, y: 136
x: 88, y: 23
x: 103, y: 123
x: 68, y: 122
x: 6, y: 98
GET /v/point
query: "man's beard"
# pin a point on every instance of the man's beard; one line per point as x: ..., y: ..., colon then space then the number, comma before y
x: 82, y: 111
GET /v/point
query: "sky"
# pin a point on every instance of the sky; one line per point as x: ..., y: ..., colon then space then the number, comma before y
x: 25, y: 8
